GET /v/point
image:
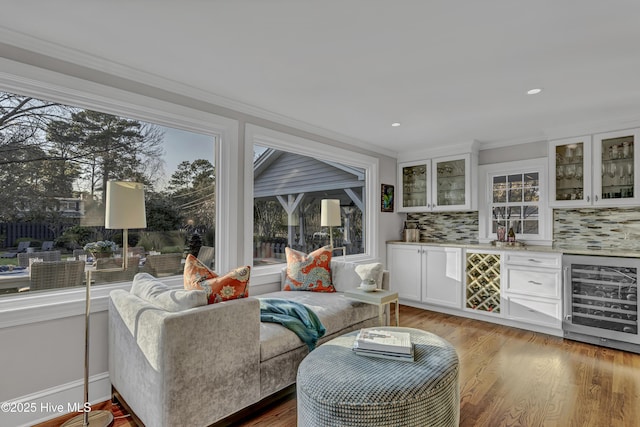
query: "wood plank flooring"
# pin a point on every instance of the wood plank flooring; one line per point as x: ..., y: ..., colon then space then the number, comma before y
x: 511, y: 377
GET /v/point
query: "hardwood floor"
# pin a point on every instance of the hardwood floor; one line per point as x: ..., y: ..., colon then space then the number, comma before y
x: 512, y: 377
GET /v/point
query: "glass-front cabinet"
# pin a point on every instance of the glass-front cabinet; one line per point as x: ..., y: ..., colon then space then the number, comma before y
x: 615, y: 160
x: 415, y: 191
x: 598, y: 171
x: 439, y: 184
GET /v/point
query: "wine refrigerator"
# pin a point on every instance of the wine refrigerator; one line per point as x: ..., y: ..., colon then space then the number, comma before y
x: 601, y: 301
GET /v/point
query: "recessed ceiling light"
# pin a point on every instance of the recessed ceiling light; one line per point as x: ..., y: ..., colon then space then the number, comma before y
x: 534, y: 91
x: 395, y: 124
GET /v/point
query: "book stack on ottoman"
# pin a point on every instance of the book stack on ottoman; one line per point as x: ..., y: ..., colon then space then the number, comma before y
x: 386, y: 344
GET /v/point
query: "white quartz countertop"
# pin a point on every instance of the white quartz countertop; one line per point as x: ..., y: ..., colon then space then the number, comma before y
x: 569, y: 250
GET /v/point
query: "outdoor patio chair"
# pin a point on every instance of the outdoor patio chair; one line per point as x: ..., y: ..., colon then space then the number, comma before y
x: 206, y: 255
x: 23, y: 259
x: 56, y: 274
x: 78, y: 252
x: 115, y: 276
x: 22, y: 247
x: 163, y: 264
x: 47, y: 246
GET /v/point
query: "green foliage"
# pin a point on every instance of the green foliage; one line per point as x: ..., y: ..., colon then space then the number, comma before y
x: 76, y: 237
x: 172, y: 249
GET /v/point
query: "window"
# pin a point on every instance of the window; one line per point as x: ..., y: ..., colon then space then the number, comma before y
x: 291, y: 176
x: 513, y: 195
x: 55, y: 161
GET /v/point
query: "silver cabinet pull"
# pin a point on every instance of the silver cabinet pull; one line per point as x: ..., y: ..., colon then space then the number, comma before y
x: 588, y: 199
x: 534, y: 260
x: 595, y: 198
x: 533, y: 282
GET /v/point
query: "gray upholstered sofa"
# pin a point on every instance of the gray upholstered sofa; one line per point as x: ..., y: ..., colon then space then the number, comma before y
x: 175, y: 366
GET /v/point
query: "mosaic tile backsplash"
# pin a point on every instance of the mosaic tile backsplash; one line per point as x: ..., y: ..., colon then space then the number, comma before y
x: 598, y: 228
x: 446, y: 226
x: 595, y: 228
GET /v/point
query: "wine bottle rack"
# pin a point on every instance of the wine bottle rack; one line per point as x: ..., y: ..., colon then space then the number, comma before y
x: 483, y: 282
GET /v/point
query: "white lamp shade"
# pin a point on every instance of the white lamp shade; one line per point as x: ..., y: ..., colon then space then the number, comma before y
x: 125, y: 207
x: 330, y: 213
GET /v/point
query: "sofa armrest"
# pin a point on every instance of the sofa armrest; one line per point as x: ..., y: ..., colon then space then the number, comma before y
x: 170, y: 367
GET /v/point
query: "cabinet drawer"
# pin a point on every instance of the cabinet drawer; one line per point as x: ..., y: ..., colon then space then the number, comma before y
x: 543, y: 283
x: 534, y: 259
x: 547, y: 313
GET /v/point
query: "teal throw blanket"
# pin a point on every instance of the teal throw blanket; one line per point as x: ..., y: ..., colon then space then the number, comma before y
x: 295, y: 316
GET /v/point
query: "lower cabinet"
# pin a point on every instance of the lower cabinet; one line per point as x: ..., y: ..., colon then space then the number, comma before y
x: 428, y: 274
x: 517, y: 288
x: 534, y: 289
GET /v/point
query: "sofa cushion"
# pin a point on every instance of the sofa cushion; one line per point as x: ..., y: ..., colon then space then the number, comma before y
x: 335, y: 311
x: 150, y: 289
x: 310, y: 272
x: 233, y: 285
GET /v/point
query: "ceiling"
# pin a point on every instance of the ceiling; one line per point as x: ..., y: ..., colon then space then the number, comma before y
x: 449, y: 72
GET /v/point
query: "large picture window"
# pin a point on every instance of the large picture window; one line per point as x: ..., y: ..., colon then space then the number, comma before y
x: 291, y: 177
x: 55, y: 161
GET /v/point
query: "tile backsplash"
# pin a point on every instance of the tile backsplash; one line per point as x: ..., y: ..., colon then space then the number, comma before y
x: 589, y: 227
x: 446, y: 226
x: 598, y: 228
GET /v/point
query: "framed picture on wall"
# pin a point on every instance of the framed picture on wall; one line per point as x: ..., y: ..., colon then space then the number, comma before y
x: 387, y: 198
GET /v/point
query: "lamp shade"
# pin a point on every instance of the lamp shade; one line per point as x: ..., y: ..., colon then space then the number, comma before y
x: 125, y: 207
x: 330, y: 213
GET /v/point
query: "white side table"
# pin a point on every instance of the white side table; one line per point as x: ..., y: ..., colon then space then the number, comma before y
x: 379, y: 297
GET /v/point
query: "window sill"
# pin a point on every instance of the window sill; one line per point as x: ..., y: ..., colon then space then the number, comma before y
x: 46, y: 306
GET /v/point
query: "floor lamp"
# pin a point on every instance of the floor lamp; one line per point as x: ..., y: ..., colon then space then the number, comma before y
x: 124, y: 209
x: 330, y: 217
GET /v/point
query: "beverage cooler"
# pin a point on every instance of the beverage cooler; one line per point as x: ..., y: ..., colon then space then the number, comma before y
x: 601, y: 301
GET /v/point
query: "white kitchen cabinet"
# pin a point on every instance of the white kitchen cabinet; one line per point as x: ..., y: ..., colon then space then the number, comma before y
x: 428, y: 274
x: 533, y: 290
x: 438, y: 184
x: 595, y: 171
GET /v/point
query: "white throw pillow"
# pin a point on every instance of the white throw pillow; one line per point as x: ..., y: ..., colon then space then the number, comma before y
x: 150, y: 289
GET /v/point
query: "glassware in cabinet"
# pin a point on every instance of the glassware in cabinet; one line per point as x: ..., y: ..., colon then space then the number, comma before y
x: 450, y: 182
x: 570, y: 172
x: 415, y: 186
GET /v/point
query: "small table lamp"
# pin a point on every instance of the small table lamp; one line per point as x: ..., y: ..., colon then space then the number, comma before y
x: 330, y: 215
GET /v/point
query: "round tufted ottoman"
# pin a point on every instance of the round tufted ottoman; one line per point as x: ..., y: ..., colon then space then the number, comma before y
x: 336, y: 387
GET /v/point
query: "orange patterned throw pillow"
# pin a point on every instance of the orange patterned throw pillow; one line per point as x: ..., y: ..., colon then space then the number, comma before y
x: 309, y: 272
x: 232, y: 285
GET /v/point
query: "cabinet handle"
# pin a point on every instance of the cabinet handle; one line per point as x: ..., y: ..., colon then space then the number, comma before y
x: 588, y: 199
x: 533, y: 282
x: 534, y: 260
x: 595, y: 198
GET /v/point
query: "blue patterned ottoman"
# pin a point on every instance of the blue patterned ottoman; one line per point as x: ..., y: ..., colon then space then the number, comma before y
x: 336, y: 387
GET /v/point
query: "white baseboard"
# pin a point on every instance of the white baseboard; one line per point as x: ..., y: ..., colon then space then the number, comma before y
x: 51, y: 403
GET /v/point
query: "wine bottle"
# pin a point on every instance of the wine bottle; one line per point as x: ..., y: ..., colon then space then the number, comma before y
x: 511, y: 236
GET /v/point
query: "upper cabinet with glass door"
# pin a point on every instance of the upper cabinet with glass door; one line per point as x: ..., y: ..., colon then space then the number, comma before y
x: 570, y: 172
x: 595, y: 172
x: 615, y: 159
x: 415, y: 183
x: 451, y: 183
x: 439, y: 184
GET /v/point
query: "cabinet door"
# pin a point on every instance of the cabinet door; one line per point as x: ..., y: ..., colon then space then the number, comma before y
x: 414, y: 189
x: 451, y: 183
x: 570, y: 174
x: 614, y: 174
x: 405, y: 270
x: 443, y: 281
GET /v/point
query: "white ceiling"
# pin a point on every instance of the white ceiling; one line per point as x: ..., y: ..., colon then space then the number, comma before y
x: 449, y: 71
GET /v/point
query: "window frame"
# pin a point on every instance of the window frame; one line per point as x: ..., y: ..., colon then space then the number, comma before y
x: 485, y: 201
x: 257, y: 135
x: 39, y: 83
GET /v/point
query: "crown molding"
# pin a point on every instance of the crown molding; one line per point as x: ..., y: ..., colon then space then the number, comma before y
x: 79, y: 58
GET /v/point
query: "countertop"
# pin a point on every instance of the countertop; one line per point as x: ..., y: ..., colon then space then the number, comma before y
x: 561, y: 249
